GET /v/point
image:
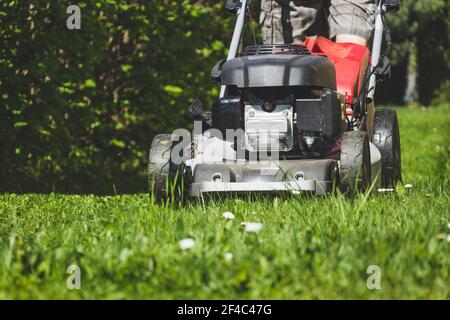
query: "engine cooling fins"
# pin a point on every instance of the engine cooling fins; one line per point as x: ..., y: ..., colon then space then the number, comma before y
x: 275, y: 49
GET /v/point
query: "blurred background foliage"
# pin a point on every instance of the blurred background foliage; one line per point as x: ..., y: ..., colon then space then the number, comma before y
x: 78, y: 108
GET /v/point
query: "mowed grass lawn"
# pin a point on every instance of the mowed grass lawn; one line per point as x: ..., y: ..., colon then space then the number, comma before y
x: 317, y: 248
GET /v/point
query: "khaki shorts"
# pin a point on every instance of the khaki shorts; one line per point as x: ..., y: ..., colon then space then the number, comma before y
x: 287, y: 21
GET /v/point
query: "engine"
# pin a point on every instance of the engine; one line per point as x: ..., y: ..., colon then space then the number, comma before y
x: 284, y: 99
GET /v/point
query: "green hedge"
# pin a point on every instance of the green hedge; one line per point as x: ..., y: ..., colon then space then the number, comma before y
x: 79, y: 108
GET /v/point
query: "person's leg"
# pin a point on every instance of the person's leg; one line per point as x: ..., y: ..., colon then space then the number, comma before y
x: 307, y: 18
x: 351, y: 20
x: 270, y: 21
x: 286, y: 21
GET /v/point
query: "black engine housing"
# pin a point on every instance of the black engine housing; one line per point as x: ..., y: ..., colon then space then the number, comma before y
x: 320, y: 115
x: 278, y: 66
x: 278, y: 75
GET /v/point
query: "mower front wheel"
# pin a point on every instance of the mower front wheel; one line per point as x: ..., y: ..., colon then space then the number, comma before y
x: 355, y: 168
x: 166, y: 179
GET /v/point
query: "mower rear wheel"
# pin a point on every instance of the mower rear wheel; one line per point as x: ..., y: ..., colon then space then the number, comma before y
x: 386, y: 137
x: 355, y: 168
x: 164, y: 177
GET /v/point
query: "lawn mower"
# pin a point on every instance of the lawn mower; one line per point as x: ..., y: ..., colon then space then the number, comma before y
x: 289, y: 118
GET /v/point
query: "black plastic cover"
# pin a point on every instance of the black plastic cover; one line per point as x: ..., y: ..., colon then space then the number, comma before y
x: 279, y: 70
x: 320, y: 115
x: 228, y: 113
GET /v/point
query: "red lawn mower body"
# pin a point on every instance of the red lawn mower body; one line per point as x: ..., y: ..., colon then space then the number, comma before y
x: 350, y: 61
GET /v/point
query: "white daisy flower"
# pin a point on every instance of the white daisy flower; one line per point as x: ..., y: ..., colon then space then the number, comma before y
x: 228, y: 215
x: 253, y: 227
x: 408, y: 185
x: 186, y: 244
x: 386, y: 190
x: 228, y: 256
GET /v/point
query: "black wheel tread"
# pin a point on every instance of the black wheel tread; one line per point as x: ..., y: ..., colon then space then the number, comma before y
x: 159, y: 165
x: 355, y: 157
x: 385, y: 131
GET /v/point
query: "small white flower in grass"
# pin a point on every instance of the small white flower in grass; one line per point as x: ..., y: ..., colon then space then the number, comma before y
x: 186, y: 244
x: 448, y: 225
x: 448, y: 238
x: 253, y: 227
x: 386, y: 190
x: 228, y: 215
x: 408, y: 185
x: 228, y: 256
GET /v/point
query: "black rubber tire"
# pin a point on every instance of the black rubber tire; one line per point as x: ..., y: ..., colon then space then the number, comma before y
x: 355, y: 167
x: 165, y: 179
x: 386, y: 137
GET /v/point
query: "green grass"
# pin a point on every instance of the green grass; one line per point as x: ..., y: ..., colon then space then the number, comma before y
x: 308, y: 248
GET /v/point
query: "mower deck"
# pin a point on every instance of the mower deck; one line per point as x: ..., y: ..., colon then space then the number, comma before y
x: 313, y: 175
x: 200, y: 188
